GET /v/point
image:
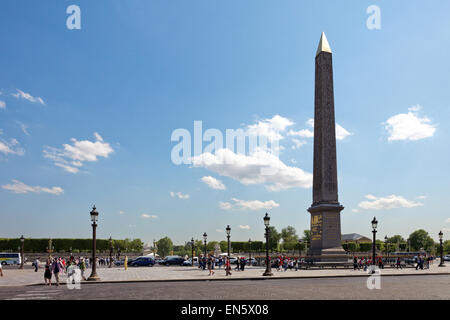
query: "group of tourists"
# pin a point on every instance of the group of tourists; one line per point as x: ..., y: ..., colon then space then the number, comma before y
x: 286, y: 263
x: 210, y: 261
x: 55, y: 265
x: 363, y: 263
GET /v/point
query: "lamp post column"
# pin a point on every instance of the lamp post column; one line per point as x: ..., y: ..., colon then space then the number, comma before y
x: 22, y: 240
x: 268, y: 271
x: 94, y: 218
x: 441, y: 264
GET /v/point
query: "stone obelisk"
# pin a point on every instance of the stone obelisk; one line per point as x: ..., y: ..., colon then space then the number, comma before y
x: 325, y: 209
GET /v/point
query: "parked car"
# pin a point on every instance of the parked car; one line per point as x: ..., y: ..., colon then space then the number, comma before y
x: 143, y: 261
x: 122, y: 261
x: 447, y: 258
x: 173, y: 260
x: 188, y: 262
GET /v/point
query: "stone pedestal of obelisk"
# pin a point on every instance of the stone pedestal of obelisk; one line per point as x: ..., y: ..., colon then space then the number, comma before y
x: 325, y: 209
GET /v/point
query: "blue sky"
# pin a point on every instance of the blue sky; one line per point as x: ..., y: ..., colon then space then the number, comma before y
x: 112, y: 93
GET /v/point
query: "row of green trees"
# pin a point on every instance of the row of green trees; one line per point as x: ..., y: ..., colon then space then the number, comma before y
x: 288, y: 240
x: 67, y: 245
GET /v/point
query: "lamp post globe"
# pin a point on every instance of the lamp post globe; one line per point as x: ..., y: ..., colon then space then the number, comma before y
x: 94, y: 219
x: 268, y: 271
x: 22, y: 241
x: 441, y: 235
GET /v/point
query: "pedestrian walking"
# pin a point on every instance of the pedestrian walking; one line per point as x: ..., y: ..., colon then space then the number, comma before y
x: 210, y: 262
x: 227, y: 267
x: 57, y: 267
x: 1, y: 270
x: 82, y: 266
x: 36, y: 264
x: 398, y: 263
x: 48, y: 273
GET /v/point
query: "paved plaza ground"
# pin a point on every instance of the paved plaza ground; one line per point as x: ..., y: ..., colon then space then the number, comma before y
x: 419, y: 287
x: 15, y: 277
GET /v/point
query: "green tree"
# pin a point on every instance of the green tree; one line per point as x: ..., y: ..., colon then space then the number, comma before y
x: 420, y: 239
x: 307, y: 237
x: 396, y: 239
x: 274, y: 238
x: 289, y: 234
x: 164, y: 246
x: 445, y: 247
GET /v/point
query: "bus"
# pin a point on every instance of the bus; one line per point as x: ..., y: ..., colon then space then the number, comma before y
x: 10, y: 258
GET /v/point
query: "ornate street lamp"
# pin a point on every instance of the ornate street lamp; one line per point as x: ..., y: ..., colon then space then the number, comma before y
x: 250, y: 251
x: 268, y: 271
x: 441, y: 264
x: 22, y: 240
x: 110, y: 251
x: 154, y: 249
x: 94, y: 219
x: 386, y: 245
x: 374, y: 231
x: 228, y: 229
x: 192, y: 245
x: 204, y: 238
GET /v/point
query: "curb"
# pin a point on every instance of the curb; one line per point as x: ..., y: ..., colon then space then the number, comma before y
x: 252, y: 278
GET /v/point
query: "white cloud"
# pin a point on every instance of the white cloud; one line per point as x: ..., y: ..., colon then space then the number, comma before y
x: 225, y: 205
x: 246, y: 227
x: 341, y: 132
x: 23, y: 127
x: 270, y: 128
x: 213, y: 183
x: 219, y: 230
x: 20, y: 187
x: 121, y: 212
x: 389, y: 202
x: 238, y: 204
x: 261, y: 167
x: 179, y: 195
x: 2, y: 104
x: 355, y: 210
x: 409, y: 126
x: 304, y: 133
x: 71, y: 157
x: 148, y: 216
x: 448, y: 220
x: 446, y: 229
x: 298, y: 144
x: 11, y: 147
x: 27, y: 96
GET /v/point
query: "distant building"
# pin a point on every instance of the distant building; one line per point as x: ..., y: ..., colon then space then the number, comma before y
x: 354, y: 237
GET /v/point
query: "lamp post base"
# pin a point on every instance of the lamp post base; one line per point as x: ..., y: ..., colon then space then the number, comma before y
x: 267, y: 273
x: 93, y: 277
x: 441, y: 265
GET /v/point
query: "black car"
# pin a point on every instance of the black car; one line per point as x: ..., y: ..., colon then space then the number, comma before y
x: 143, y: 261
x: 173, y: 260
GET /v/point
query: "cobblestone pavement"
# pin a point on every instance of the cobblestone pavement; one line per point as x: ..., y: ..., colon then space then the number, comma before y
x: 15, y: 277
x: 348, y: 288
